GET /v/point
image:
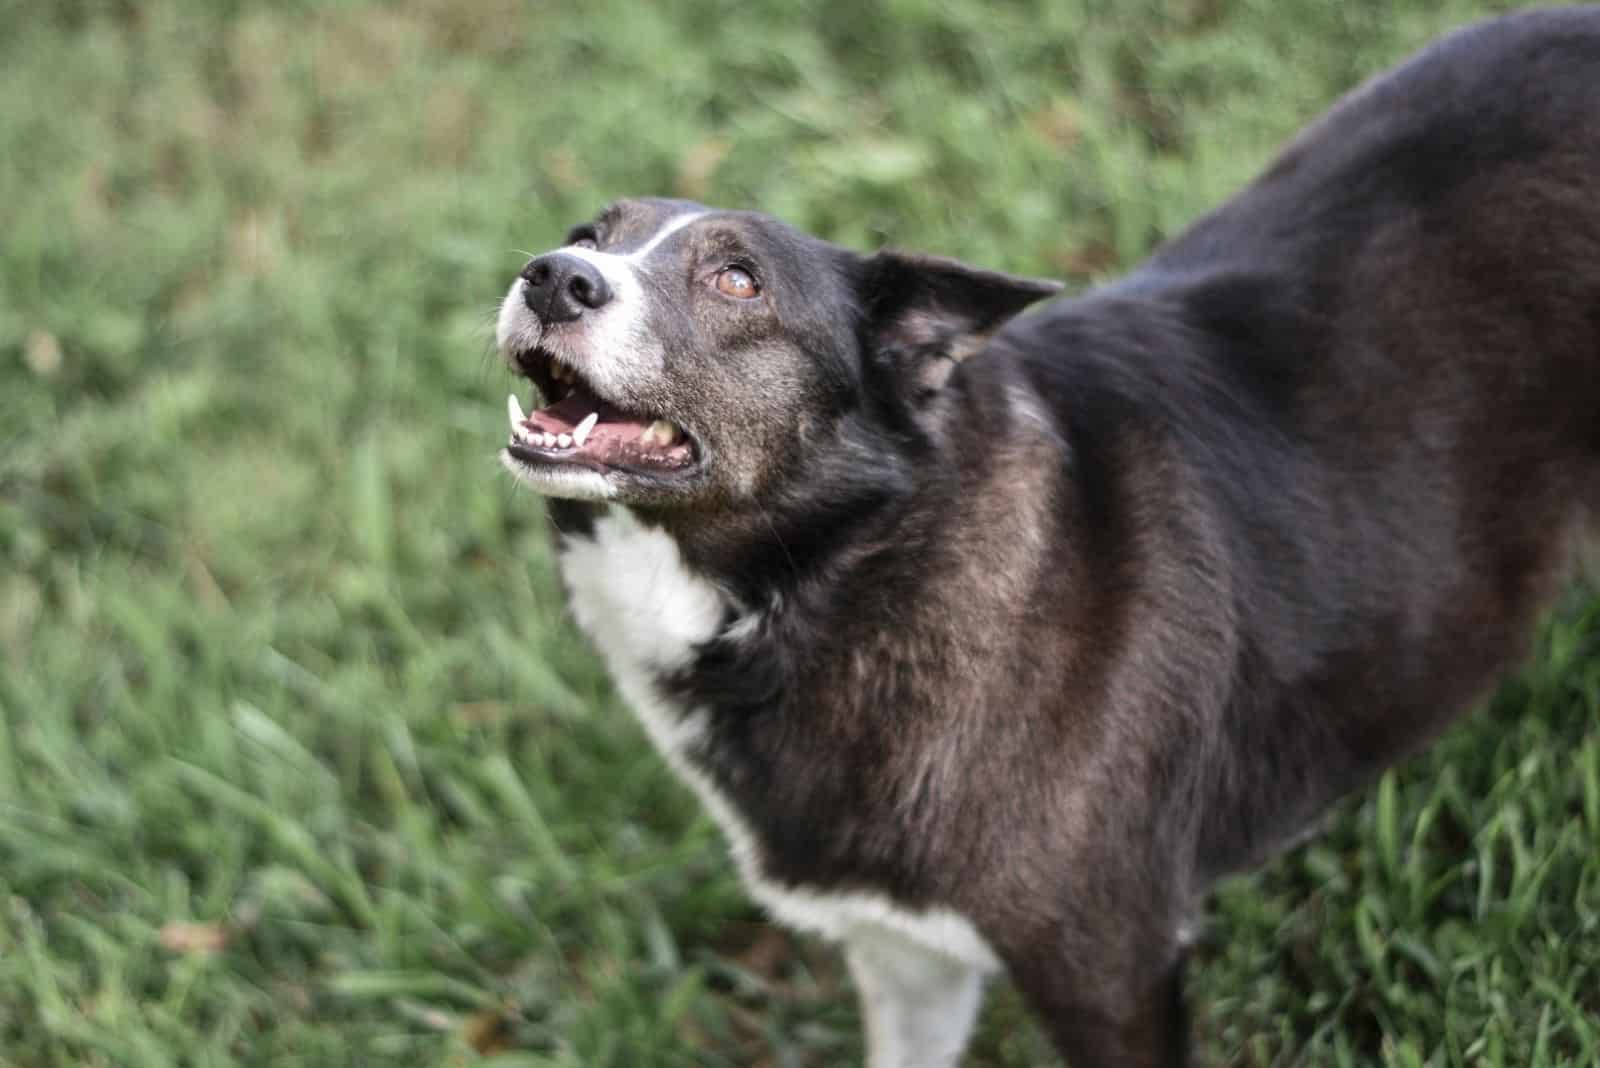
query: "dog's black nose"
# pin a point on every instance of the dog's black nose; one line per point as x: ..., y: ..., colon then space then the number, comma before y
x: 560, y: 286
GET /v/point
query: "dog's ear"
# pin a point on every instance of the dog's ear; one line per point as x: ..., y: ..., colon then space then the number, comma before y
x: 925, y: 314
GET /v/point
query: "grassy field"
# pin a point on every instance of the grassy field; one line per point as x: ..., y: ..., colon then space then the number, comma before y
x: 300, y: 763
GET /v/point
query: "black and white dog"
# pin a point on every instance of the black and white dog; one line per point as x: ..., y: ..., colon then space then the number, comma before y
x: 992, y: 641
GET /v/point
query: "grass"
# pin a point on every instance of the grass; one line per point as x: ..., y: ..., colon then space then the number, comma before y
x: 299, y: 762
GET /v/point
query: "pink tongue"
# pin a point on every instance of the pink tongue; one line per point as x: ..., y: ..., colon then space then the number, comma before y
x: 562, y: 416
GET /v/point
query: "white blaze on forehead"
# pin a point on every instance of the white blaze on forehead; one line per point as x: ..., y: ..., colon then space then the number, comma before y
x: 617, y: 267
x: 670, y: 227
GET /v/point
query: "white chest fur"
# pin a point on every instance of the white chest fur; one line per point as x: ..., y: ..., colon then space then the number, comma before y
x: 646, y: 612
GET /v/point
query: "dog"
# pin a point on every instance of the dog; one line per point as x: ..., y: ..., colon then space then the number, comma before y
x: 991, y: 640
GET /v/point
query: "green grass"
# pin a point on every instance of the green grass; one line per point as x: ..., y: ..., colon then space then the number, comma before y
x: 280, y: 654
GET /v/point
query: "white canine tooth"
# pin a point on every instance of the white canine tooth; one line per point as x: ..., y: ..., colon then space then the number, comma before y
x: 564, y: 440
x: 661, y: 432
x: 580, y: 433
x: 514, y: 410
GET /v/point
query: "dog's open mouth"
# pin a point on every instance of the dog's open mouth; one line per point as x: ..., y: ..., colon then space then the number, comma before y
x: 582, y: 430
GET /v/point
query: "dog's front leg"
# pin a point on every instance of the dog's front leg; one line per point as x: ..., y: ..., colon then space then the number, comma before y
x: 918, y: 1005
x: 1106, y: 1011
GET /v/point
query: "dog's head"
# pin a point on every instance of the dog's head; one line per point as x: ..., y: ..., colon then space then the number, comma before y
x: 690, y: 357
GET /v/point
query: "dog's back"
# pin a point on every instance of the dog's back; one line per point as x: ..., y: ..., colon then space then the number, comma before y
x: 1382, y: 362
x: 1413, y: 296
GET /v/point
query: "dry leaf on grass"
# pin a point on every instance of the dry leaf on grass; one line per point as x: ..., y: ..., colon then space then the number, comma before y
x: 194, y: 938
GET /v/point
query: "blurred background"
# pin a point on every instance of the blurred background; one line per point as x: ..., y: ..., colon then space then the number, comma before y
x: 299, y: 761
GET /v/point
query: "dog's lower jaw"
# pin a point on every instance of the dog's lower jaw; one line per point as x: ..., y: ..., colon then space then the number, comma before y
x: 569, y: 483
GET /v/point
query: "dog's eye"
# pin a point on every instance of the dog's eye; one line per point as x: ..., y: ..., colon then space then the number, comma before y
x: 585, y: 242
x: 737, y: 282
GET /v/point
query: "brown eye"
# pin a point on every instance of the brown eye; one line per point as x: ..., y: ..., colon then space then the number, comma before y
x: 736, y: 282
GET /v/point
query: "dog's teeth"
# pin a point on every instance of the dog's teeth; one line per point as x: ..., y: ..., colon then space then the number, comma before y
x: 580, y: 433
x: 564, y: 440
x: 661, y: 432
x: 514, y: 411
x: 548, y: 441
